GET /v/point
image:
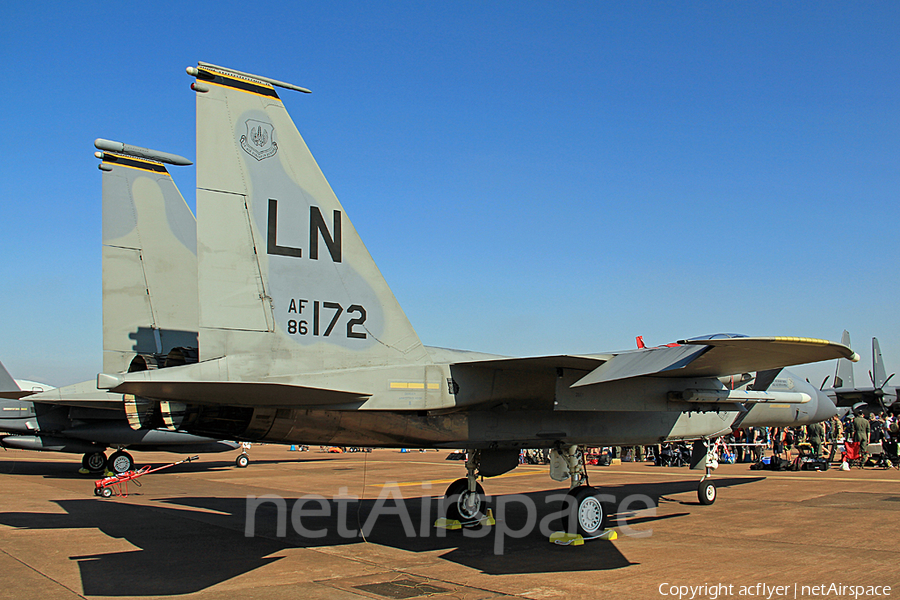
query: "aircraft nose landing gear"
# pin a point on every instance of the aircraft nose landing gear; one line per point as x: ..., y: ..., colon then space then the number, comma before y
x: 703, y: 456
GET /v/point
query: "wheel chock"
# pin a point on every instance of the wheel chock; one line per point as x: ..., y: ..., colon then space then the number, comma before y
x: 563, y: 538
x: 485, y: 521
x: 488, y: 519
x: 84, y: 471
x: 444, y: 523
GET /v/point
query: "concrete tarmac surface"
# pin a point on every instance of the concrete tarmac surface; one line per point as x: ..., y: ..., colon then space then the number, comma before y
x: 184, y: 532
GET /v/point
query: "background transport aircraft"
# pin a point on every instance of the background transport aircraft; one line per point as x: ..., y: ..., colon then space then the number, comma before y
x: 149, y: 322
x: 301, y: 339
x: 880, y: 397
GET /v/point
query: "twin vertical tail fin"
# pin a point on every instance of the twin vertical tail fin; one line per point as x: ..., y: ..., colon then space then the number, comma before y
x: 843, y: 374
x: 284, y: 279
x: 880, y: 377
x: 149, y: 259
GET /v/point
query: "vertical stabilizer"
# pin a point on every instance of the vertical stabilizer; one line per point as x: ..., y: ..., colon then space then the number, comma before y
x: 284, y: 278
x: 880, y: 374
x: 843, y: 374
x: 149, y: 257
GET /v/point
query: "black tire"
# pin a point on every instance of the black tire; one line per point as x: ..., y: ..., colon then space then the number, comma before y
x: 462, y: 505
x: 586, y: 514
x: 706, y: 492
x: 106, y: 492
x: 94, y: 462
x: 119, y: 462
x: 242, y: 461
x: 96, y: 491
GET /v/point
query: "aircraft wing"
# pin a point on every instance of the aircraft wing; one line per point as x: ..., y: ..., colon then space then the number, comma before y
x: 564, y: 361
x: 717, y: 357
x: 690, y: 358
x: 853, y: 396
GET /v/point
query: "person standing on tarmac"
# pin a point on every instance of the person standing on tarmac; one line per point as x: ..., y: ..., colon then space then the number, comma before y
x: 861, y: 434
x: 815, y: 433
x: 834, y: 434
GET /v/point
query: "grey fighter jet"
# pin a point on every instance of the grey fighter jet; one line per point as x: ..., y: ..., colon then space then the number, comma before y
x: 302, y: 341
x: 880, y: 397
x: 149, y: 322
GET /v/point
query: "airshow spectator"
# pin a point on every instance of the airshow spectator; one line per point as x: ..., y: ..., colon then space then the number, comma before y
x: 815, y: 433
x: 860, y: 429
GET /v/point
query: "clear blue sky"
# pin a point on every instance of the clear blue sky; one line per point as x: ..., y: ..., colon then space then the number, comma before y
x: 531, y: 177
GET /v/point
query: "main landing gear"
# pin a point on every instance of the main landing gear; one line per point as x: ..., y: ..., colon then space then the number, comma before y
x: 117, y: 463
x: 584, y: 512
x: 93, y: 462
x: 242, y: 460
x: 120, y: 462
x: 465, y: 500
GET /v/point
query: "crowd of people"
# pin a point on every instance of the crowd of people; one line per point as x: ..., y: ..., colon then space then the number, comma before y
x: 826, y: 441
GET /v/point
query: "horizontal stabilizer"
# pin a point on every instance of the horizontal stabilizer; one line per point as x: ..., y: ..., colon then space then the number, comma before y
x: 82, y: 395
x: 235, y: 393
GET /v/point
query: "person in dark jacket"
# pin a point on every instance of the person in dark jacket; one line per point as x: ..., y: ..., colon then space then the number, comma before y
x: 861, y: 434
x: 815, y: 433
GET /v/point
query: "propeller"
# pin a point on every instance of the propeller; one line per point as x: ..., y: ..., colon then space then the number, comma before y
x: 879, y: 390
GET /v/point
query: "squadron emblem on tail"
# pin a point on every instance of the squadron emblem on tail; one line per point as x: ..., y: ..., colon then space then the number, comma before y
x: 259, y: 142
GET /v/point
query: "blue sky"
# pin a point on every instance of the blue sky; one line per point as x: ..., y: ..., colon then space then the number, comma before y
x: 531, y: 178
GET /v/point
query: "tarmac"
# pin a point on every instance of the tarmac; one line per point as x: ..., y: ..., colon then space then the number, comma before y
x: 194, y: 531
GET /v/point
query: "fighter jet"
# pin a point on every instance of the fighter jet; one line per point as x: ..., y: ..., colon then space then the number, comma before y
x: 149, y: 322
x: 302, y: 341
x: 880, y: 397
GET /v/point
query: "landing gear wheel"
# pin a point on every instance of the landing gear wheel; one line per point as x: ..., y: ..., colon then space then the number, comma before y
x: 242, y: 461
x: 106, y: 492
x: 94, y: 461
x: 119, y: 462
x: 586, y: 511
x: 463, y: 505
x: 706, y: 492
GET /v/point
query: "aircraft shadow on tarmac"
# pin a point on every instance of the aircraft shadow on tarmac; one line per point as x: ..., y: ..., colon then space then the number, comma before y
x: 189, y: 544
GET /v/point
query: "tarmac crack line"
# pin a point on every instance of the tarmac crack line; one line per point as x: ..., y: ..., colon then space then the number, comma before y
x: 41, y: 573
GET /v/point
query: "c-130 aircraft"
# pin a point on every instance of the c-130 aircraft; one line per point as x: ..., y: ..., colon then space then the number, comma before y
x: 302, y: 341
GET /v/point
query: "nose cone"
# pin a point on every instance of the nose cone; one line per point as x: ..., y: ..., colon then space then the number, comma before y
x: 825, y: 408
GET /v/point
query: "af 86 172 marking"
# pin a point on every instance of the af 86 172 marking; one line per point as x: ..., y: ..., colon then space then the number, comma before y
x: 297, y: 306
